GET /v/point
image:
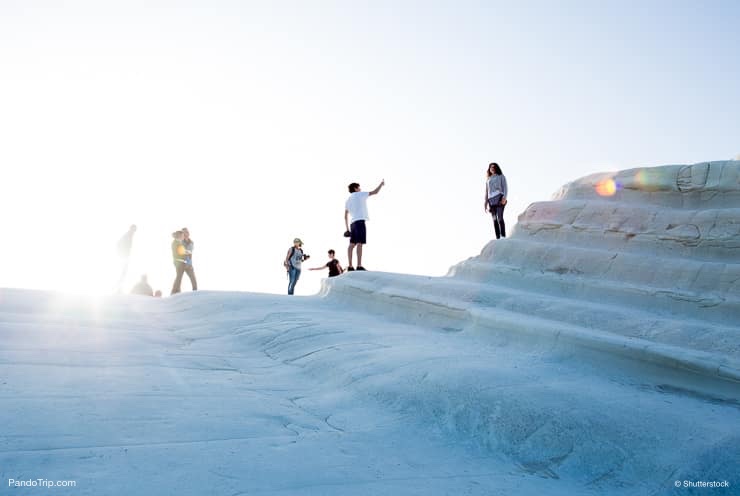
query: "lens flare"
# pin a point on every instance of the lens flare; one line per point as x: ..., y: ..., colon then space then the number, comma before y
x: 646, y: 179
x: 606, y: 187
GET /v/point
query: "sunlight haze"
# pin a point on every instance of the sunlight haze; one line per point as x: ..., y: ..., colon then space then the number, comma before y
x: 246, y: 121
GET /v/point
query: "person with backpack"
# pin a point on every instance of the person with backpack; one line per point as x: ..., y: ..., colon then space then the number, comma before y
x: 335, y: 268
x: 496, y: 193
x: 356, y: 207
x: 292, y: 263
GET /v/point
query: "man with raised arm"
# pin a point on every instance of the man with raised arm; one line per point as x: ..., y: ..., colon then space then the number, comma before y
x: 356, y: 208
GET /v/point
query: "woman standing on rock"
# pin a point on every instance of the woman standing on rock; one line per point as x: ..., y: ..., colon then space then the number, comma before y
x: 293, y: 260
x: 496, y: 192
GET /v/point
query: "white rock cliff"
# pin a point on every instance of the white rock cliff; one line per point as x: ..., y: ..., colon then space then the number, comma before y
x: 643, y: 263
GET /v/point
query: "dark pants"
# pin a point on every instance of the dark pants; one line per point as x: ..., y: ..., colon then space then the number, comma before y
x: 497, y: 212
x: 180, y: 269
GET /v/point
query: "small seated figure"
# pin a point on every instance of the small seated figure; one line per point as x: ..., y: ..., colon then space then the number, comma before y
x: 142, y: 287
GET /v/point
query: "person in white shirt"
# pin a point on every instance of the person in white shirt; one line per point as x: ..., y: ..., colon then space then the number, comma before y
x: 356, y: 208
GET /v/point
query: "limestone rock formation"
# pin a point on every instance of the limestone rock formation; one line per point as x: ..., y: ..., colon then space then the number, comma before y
x: 643, y: 262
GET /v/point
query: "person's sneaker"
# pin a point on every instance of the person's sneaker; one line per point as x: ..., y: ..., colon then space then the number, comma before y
x: 350, y: 268
x: 360, y: 267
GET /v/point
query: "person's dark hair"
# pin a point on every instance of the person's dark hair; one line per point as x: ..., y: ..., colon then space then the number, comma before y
x: 496, y: 169
x: 353, y: 187
x: 332, y: 252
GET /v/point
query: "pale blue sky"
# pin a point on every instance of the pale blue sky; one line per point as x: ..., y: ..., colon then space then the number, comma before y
x: 245, y: 121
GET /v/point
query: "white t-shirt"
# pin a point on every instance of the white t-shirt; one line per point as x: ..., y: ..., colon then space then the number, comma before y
x: 357, y: 205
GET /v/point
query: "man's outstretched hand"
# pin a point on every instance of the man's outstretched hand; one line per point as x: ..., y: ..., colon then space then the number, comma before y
x: 376, y: 190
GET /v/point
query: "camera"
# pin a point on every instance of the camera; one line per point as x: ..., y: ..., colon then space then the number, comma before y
x: 306, y: 257
x: 347, y: 234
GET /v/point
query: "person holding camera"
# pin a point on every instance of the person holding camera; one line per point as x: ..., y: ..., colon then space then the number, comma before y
x: 356, y: 207
x: 292, y: 263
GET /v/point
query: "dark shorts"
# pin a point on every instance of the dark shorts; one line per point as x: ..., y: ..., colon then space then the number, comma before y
x: 495, y: 201
x: 357, y: 233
